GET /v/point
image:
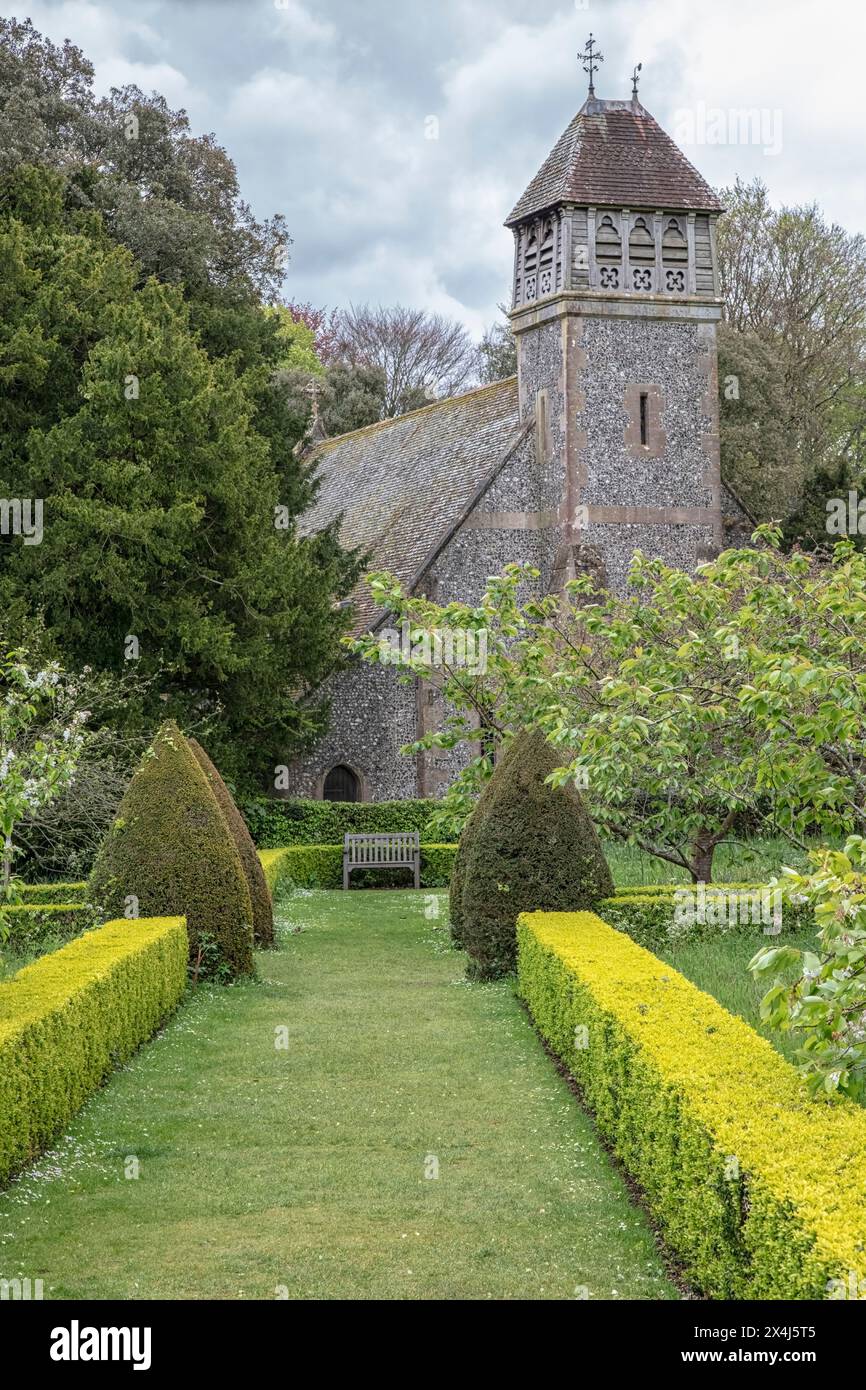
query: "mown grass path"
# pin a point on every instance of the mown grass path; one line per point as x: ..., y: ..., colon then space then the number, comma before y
x: 303, y: 1171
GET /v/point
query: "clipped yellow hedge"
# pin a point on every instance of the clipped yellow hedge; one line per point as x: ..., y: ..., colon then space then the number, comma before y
x: 274, y: 864
x: 759, y: 1190
x: 69, y: 1018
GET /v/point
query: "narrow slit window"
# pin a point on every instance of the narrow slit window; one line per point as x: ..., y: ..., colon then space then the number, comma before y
x: 644, y: 418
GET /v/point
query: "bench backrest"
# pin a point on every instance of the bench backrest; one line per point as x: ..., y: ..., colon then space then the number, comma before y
x: 403, y: 847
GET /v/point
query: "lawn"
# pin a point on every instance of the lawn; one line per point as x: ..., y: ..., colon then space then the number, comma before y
x: 308, y: 1171
x: 13, y: 961
x: 720, y: 967
x: 10, y: 962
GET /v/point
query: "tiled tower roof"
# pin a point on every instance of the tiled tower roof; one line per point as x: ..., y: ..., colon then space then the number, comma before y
x: 615, y: 154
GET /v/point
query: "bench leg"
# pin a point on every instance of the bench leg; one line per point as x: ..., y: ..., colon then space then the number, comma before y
x: 418, y: 873
x: 345, y: 875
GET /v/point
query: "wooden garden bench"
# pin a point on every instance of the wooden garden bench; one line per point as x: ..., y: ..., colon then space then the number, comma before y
x: 399, y: 851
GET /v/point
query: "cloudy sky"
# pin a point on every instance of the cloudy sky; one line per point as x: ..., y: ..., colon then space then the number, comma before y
x: 395, y: 135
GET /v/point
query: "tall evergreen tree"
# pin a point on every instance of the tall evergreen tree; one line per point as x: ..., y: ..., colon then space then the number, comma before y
x: 170, y: 491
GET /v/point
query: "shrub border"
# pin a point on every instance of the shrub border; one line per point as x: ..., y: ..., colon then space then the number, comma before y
x: 283, y: 822
x: 29, y: 922
x: 54, y: 892
x: 647, y: 916
x: 321, y: 866
x: 71, y: 1017
x: 756, y: 1188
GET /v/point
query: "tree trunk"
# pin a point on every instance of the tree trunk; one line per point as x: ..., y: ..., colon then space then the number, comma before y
x: 702, y: 860
x: 7, y: 865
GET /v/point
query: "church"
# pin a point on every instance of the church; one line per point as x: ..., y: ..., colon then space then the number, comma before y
x: 605, y: 442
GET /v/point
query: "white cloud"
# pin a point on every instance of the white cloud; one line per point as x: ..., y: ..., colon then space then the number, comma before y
x: 105, y: 33
x: 298, y: 23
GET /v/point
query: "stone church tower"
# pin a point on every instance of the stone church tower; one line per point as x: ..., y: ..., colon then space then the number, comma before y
x: 615, y: 306
x: 606, y: 442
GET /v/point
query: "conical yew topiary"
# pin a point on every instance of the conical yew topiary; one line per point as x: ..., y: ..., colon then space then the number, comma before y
x: 535, y: 848
x: 455, y: 892
x: 170, y: 853
x: 260, y: 894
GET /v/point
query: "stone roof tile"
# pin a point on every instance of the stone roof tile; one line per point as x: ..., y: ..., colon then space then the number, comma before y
x: 402, y: 485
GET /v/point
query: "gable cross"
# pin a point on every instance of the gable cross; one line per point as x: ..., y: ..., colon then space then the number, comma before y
x: 313, y: 389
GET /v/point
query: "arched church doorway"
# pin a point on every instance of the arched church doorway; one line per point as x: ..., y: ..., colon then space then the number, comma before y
x: 341, y: 784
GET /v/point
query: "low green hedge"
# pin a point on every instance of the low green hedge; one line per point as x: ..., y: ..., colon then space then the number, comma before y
x: 275, y: 823
x: 31, y: 924
x: 639, y: 889
x: 312, y: 866
x: 67, y: 1020
x: 321, y: 866
x: 656, y: 918
x: 757, y: 1189
x: 54, y: 892
x: 437, y: 861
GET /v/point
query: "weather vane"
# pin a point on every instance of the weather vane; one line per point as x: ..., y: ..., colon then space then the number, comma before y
x: 634, y: 81
x: 590, y: 62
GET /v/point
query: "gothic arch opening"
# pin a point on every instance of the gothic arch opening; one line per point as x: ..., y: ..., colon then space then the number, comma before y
x: 530, y: 268
x: 641, y: 246
x: 608, y: 253
x: 608, y: 246
x: 675, y: 256
x: 675, y: 248
x: 545, y: 261
x: 341, y: 784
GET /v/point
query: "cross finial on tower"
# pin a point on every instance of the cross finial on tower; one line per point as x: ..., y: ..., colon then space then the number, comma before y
x: 590, y: 62
x: 634, y: 81
x: 313, y: 389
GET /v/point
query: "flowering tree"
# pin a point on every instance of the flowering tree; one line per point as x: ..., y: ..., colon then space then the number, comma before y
x: 826, y: 1003
x: 735, y: 695
x: 41, y: 738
